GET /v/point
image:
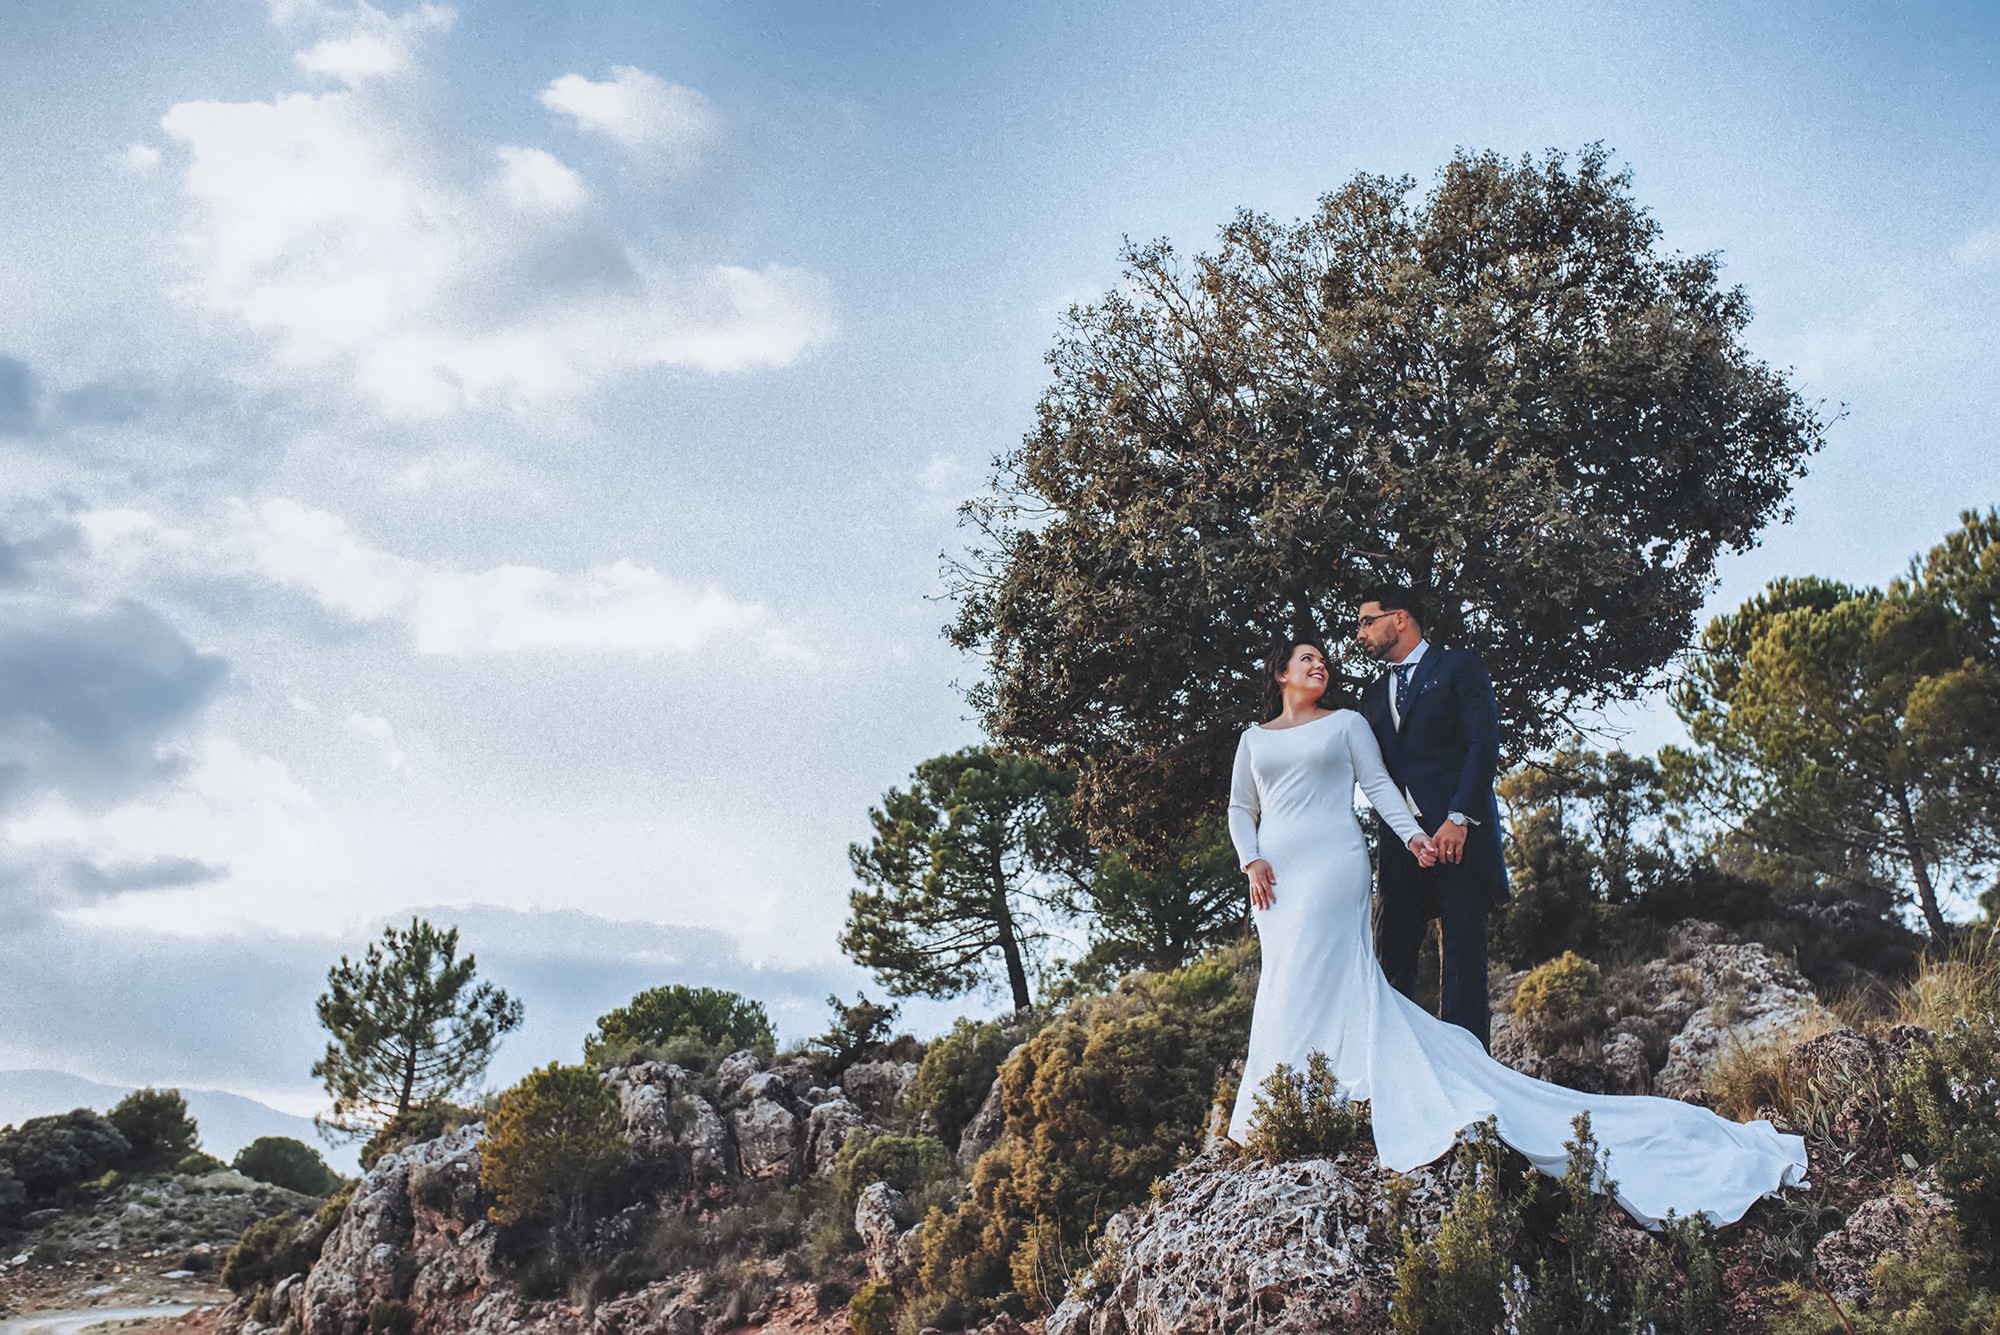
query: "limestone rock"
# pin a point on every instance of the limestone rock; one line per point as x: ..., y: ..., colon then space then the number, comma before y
x: 877, y: 1087
x: 982, y: 1133
x: 767, y: 1085
x: 1892, y: 1222
x: 827, y: 1128
x: 674, y: 1131
x: 769, y: 1141
x: 799, y: 1074
x: 1233, y: 1245
x: 737, y: 1067
x: 880, y: 1214
x: 1749, y: 995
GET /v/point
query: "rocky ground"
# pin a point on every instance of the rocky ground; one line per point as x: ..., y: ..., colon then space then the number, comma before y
x: 156, y: 1241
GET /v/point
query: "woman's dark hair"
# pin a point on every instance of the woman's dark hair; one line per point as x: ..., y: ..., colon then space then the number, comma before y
x: 1392, y: 597
x: 1270, y: 695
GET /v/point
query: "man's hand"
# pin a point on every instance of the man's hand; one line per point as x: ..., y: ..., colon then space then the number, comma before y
x: 1262, y: 884
x: 1450, y: 842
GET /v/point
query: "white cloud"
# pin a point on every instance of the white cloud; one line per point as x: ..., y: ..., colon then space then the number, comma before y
x: 378, y: 730
x: 139, y: 159
x: 431, y: 274
x: 637, y: 110
x: 619, y: 607
x: 365, y: 43
x: 533, y: 179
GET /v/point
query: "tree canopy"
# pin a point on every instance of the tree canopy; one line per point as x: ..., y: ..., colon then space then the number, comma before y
x: 718, y: 1018
x: 1858, y: 730
x: 1504, y: 392
x: 410, y: 1026
x: 964, y: 868
x: 157, y: 1127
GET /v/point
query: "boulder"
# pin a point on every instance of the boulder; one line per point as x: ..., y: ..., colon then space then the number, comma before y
x: 1895, y: 1221
x: 1747, y: 996
x: 737, y: 1067
x: 1236, y: 1245
x: 881, y: 1214
x: 799, y: 1074
x: 770, y: 1145
x: 673, y: 1130
x: 982, y: 1133
x: 877, y: 1087
x: 827, y: 1128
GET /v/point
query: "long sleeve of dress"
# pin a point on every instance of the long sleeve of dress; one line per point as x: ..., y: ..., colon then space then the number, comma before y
x: 1243, y: 805
x: 1373, y: 776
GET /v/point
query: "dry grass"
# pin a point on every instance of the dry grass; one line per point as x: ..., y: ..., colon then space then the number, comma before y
x: 1962, y: 981
x: 1752, y: 1075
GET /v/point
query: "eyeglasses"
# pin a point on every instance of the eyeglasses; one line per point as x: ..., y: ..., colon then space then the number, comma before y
x: 1363, y: 623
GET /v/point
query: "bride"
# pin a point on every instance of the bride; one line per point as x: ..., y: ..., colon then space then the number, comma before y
x: 1291, y: 817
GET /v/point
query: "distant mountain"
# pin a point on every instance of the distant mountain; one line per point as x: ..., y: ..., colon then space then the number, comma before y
x: 228, y: 1121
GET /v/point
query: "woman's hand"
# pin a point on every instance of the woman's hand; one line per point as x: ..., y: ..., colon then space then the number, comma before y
x: 1426, y: 851
x: 1262, y: 881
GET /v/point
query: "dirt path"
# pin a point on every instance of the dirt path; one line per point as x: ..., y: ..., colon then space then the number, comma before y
x: 81, y: 1319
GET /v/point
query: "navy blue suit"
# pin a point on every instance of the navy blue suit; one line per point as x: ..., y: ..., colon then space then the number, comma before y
x: 1444, y: 755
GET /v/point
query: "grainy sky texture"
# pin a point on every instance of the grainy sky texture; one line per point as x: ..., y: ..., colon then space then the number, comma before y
x: 493, y: 459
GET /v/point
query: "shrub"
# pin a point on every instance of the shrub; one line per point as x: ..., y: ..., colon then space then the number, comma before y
x: 1679, y: 1291
x: 1944, y: 1107
x: 13, y: 1197
x: 199, y: 1163
x: 1098, y: 1104
x: 288, y: 1163
x: 858, y: 1031
x: 156, y: 1125
x: 269, y: 1250
x: 553, y: 1148
x: 1456, y: 1283
x: 718, y: 1018
x: 389, y: 1317
x: 907, y: 1163
x: 958, y: 1072
x: 1305, y: 1116
x: 872, y: 1311
x: 1560, y: 1000
x: 46, y: 1155
x: 1940, y: 1287
x: 425, y: 1122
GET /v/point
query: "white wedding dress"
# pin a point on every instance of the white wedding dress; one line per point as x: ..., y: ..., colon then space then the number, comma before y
x: 1291, y: 803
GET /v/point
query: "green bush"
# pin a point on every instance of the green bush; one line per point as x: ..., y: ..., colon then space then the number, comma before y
x: 156, y: 1125
x: 48, y: 1155
x: 1942, y: 1287
x: 389, y: 1317
x: 718, y: 1019
x: 271, y: 1249
x: 958, y: 1071
x: 1098, y: 1104
x: 907, y: 1163
x: 1944, y: 1107
x: 288, y: 1163
x: 858, y: 1031
x: 1560, y: 1000
x: 1456, y: 1283
x: 1306, y: 1116
x: 13, y: 1196
x: 872, y: 1311
x: 425, y: 1122
x: 198, y: 1164
x: 554, y: 1148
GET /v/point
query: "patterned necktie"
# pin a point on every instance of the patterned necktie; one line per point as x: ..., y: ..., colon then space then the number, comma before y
x: 1402, y: 671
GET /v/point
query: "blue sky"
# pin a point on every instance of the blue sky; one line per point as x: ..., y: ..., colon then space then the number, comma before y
x: 446, y: 431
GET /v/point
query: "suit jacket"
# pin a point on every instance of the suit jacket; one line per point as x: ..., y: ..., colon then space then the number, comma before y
x: 1447, y: 750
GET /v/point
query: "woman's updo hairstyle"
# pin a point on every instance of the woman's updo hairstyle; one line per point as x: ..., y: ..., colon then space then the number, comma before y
x: 1270, y: 695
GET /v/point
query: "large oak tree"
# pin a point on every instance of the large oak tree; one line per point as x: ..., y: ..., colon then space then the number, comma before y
x: 1504, y: 391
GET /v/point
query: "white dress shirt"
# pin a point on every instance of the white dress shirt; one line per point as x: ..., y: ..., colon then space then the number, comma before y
x: 1411, y: 659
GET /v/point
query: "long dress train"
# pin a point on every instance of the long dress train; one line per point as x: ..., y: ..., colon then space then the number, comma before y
x: 1291, y: 803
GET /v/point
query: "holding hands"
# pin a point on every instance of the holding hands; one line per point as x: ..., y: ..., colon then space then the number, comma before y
x: 1264, y: 881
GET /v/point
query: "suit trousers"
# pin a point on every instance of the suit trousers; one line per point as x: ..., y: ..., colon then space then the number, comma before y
x: 1458, y: 897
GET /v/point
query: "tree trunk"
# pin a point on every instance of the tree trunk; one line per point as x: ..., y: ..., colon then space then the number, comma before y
x: 1920, y: 869
x: 1010, y: 944
x: 409, y: 1076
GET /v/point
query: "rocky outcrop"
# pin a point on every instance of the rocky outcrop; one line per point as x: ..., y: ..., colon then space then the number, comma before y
x: 827, y: 1128
x: 675, y: 1133
x: 1236, y: 1245
x: 982, y: 1133
x: 881, y: 1218
x: 770, y: 1140
x: 1896, y: 1221
x: 878, y: 1087
x: 1671, y: 1020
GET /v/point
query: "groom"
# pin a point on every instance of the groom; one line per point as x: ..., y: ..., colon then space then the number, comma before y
x: 1434, y: 714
